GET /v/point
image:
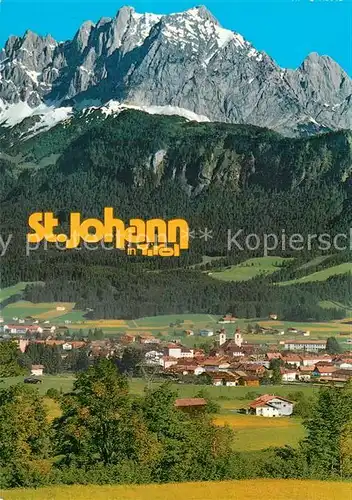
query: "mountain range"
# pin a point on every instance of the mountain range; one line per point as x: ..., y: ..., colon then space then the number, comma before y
x: 183, y: 63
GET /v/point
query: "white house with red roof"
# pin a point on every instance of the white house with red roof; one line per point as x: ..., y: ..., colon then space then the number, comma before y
x: 270, y: 405
x: 288, y: 375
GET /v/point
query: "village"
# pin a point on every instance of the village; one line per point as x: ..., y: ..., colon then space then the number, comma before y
x: 224, y: 359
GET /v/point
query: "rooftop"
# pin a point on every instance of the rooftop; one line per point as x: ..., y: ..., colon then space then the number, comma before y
x: 189, y: 402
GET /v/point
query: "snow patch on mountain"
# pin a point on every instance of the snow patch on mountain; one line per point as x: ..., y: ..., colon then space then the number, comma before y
x: 11, y: 115
x: 114, y: 107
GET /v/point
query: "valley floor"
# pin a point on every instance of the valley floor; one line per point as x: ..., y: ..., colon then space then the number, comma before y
x: 227, y: 490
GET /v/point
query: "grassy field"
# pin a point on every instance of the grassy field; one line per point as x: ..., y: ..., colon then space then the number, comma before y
x: 171, y: 326
x: 187, y: 320
x: 229, y: 397
x: 258, y: 433
x: 196, y: 322
x: 317, y: 330
x: 322, y: 275
x: 226, y: 490
x: 42, y: 311
x: 250, y: 269
x: 5, y: 293
x: 62, y: 383
x: 152, y: 325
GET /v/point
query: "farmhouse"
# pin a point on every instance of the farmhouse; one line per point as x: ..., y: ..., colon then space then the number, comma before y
x: 312, y: 360
x: 271, y: 406
x: 128, y: 339
x: 189, y: 333
x: 324, y: 371
x: 342, y: 375
x: 224, y: 378
x: 227, y: 319
x: 154, y: 357
x: 305, y: 373
x: 305, y: 345
x: 248, y: 380
x: 15, y: 329
x: 37, y: 370
x: 186, y: 367
x: 288, y: 375
x: 173, y: 351
x: 215, y: 364
x: 147, y: 339
x: 345, y: 363
x: 22, y: 344
x: 168, y: 361
x: 252, y: 369
x: 292, y: 360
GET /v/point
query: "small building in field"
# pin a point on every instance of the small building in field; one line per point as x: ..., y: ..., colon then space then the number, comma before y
x: 305, y: 345
x: 224, y: 378
x: 288, y: 375
x: 271, y: 406
x: 190, y: 404
x: 305, y: 373
x: 249, y: 381
x: 37, y: 370
x: 227, y: 319
x: 206, y: 333
x: 293, y: 360
x: 147, y: 339
x: 189, y: 333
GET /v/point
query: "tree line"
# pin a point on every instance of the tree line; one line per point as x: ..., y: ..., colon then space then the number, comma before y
x: 107, y: 435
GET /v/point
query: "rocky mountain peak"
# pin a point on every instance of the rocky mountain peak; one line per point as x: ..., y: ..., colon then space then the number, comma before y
x: 203, y: 13
x: 184, y: 60
x: 82, y: 36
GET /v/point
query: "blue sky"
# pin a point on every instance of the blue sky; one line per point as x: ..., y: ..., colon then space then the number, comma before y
x: 286, y: 29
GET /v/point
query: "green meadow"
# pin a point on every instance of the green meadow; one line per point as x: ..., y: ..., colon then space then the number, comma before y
x: 250, y: 268
x: 322, y: 275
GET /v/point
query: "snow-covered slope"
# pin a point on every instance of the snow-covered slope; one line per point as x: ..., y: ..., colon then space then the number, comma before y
x: 47, y: 117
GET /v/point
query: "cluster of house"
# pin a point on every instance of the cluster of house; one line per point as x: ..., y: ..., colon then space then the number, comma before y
x: 94, y: 349
x: 307, y: 367
x: 231, y: 361
x: 24, y: 328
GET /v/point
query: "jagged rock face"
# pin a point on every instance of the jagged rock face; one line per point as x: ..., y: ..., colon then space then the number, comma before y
x: 185, y: 60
